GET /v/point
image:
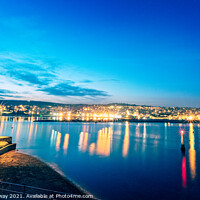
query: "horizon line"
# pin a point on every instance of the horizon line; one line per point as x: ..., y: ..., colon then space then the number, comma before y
x: 131, y: 104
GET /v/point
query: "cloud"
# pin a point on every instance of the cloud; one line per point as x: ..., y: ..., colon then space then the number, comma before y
x: 2, y: 91
x: 8, y: 60
x: 101, y: 80
x: 86, y: 81
x: 38, y: 75
x: 10, y: 95
x: 30, y: 78
x: 22, y: 68
x: 65, y: 89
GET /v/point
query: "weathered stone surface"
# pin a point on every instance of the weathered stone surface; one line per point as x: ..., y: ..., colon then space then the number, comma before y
x: 3, y: 143
x: 6, y: 139
x: 7, y: 148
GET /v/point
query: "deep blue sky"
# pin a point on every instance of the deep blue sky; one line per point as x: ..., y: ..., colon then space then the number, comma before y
x: 96, y: 51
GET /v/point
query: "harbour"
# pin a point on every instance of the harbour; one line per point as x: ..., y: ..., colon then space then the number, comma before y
x: 128, y: 158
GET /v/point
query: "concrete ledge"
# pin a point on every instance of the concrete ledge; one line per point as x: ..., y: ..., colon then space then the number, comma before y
x: 3, y: 144
x: 7, y: 148
x: 6, y: 139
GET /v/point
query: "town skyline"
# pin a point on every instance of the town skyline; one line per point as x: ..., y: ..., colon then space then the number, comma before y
x: 43, y: 111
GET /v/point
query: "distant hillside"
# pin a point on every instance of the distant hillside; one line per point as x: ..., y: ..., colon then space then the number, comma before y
x: 37, y: 103
x: 29, y: 103
x: 44, y: 104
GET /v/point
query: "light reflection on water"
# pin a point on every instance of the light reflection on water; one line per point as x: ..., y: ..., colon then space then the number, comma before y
x: 192, y: 153
x: 127, y: 158
x: 66, y: 142
x: 104, y: 140
x: 126, y: 140
x: 83, y: 141
x: 184, y: 176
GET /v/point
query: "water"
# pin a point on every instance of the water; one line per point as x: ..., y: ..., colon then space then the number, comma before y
x: 116, y: 160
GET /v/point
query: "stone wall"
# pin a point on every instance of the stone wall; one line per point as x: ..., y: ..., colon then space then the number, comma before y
x: 7, y: 148
x: 6, y: 139
x: 10, y: 146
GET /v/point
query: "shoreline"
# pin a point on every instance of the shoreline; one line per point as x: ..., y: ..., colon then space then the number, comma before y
x: 25, y: 169
x: 181, y: 121
x: 128, y: 120
x: 59, y: 171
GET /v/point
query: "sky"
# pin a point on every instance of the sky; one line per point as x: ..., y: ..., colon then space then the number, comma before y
x: 101, y: 51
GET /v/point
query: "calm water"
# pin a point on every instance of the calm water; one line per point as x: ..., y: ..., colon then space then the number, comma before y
x: 117, y: 160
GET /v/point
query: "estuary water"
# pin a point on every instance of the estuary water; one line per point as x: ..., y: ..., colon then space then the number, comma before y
x: 116, y: 160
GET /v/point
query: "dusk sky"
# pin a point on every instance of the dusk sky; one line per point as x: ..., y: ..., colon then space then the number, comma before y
x: 101, y: 51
